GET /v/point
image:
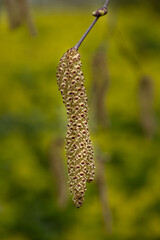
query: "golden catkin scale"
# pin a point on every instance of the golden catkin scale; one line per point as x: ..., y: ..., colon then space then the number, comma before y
x: 79, y: 150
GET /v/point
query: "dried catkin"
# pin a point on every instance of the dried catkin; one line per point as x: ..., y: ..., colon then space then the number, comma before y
x: 79, y: 150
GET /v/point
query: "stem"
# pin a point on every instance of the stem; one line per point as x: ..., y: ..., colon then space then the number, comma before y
x: 90, y: 27
x: 106, y: 3
x: 86, y: 33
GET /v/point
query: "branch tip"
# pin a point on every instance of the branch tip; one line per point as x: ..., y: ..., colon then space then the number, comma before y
x: 97, y: 13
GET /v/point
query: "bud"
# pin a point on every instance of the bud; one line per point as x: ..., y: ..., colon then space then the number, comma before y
x: 79, y: 150
x: 100, y: 12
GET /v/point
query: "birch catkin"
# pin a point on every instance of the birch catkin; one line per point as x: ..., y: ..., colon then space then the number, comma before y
x: 79, y: 150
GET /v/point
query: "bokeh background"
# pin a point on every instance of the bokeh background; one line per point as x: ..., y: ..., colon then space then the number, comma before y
x: 121, y: 65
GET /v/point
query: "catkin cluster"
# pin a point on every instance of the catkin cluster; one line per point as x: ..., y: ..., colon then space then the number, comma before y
x: 79, y: 150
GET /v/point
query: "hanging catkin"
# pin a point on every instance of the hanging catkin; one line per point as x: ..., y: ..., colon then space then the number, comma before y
x: 79, y: 150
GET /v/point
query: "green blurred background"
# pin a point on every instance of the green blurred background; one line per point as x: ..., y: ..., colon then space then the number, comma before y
x: 32, y: 117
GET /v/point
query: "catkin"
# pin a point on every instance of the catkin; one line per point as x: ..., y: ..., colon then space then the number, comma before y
x: 79, y: 149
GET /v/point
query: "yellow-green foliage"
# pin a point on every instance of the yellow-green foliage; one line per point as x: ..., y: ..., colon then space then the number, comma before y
x: 32, y: 113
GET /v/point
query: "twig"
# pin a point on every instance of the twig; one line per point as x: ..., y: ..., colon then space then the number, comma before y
x: 98, y: 13
x: 106, y: 3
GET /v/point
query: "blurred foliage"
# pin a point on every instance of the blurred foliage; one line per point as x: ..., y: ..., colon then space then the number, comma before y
x: 32, y: 114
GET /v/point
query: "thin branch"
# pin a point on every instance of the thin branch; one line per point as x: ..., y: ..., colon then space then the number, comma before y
x: 98, y: 13
x: 106, y: 3
x: 86, y: 33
